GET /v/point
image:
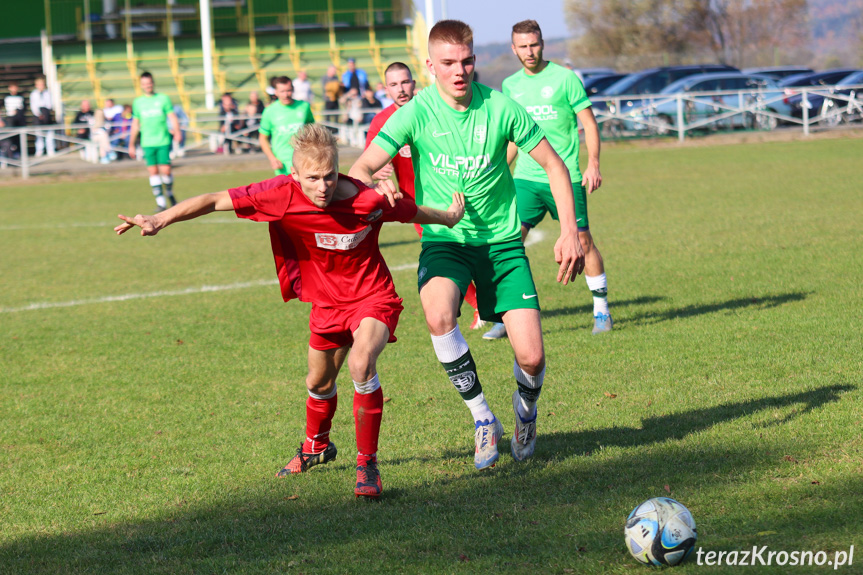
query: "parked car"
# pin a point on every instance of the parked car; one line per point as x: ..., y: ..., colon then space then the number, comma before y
x: 823, y: 78
x: 596, y: 85
x: 649, y: 81
x: 585, y: 73
x: 821, y: 104
x: 779, y: 72
x: 716, y: 94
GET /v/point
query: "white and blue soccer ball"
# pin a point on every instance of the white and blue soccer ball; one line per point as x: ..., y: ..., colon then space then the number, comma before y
x: 660, y: 531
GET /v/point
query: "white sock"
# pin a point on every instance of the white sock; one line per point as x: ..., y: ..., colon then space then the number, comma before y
x: 369, y: 386
x: 527, y: 408
x: 449, y: 346
x: 479, y: 409
x: 598, y: 285
x: 156, y: 185
x: 329, y: 395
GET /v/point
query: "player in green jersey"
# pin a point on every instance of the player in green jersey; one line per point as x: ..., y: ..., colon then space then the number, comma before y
x: 458, y: 131
x: 279, y: 122
x: 555, y: 97
x: 150, y: 116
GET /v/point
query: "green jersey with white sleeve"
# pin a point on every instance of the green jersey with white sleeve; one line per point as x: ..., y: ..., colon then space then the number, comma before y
x: 552, y: 98
x: 464, y: 151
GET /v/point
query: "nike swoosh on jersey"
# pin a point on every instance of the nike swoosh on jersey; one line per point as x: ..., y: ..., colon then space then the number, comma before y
x: 437, y: 135
x: 518, y: 95
x: 525, y: 296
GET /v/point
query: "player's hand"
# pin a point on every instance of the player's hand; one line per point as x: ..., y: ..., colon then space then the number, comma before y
x: 131, y: 152
x: 389, y: 189
x: 384, y: 173
x: 178, y: 136
x: 456, y: 209
x: 592, y: 178
x: 570, y: 255
x: 276, y: 164
x: 150, y: 225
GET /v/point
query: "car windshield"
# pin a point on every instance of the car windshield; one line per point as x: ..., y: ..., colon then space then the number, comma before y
x: 625, y: 84
x: 679, y: 86
x: 851, y: 80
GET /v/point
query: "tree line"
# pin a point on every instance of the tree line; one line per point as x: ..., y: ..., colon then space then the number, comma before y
x: 639, y: 33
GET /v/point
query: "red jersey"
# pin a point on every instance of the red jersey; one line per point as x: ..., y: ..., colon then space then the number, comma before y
x: 328, y: 256
x: 402, y: 161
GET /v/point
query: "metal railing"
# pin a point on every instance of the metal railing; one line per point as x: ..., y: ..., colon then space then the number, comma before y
x: 760, y: 109
x: 205, y: 135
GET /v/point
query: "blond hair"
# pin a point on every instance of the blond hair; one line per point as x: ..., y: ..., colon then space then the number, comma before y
x: 451, y: 32
x: 316, y: 146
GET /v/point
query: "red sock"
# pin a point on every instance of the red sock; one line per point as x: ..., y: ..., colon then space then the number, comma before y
x: 470, y: 296
x: 368, y: 411
x: 319, y: 420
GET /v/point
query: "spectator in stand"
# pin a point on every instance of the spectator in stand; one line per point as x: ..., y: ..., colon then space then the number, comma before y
x: 183, y: 119
x: 14, y: 104
x: 355, y: 78
x: 303, y: 88
x: 43, y: 110
x: 230, y: 121
x: 271, y: 90
x: 5, y: 151
x: 251, y: 122
x: 382, y: 96
x: 256, y: 102
x: 100, y: 137
x: 84, y: 116
x: 112, y: 110
x: 333, y: 91
x: 369, y: 102
x: 122, y: 130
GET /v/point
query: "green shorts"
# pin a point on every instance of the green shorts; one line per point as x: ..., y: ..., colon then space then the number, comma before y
x: 501, y: 273
x: 158, y: 155
x: 534, y: 199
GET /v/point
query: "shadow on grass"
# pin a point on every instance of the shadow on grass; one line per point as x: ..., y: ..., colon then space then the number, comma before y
x: 758, y: 303
x: 588, y: 308
x: 562, y: 509
x: 676, y: 426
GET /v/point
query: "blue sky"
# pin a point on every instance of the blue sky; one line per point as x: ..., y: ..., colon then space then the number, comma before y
x: 492, y: 21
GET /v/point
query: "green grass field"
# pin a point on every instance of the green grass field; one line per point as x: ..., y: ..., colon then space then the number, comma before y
x: 142, y: 419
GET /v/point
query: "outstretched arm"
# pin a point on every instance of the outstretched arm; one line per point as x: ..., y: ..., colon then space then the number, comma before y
x: 185, y: 210
x: 370, y: 162
x: 592, y: 177
x: 449, y: 218
x: 567, y: 250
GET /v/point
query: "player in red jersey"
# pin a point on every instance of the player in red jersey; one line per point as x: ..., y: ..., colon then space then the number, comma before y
x: 400, y: 87
x: 324, y: 228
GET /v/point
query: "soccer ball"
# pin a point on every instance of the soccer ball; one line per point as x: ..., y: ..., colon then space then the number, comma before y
x: 660, y: 531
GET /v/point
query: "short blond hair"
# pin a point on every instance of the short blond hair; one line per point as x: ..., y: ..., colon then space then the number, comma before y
x: 316, y: 146
x: 451, y: 32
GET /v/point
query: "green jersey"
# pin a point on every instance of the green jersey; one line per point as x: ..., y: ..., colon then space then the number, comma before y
x: 553, y: 98
x: 280, y: 123
x: 152, y: 114
x: 455, y: 151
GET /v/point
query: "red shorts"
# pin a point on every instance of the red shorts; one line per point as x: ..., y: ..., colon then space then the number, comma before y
x: 333, y: 328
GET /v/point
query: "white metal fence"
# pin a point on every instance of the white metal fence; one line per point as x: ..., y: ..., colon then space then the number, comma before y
x: 620, y: 116
x: 760, y: 109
